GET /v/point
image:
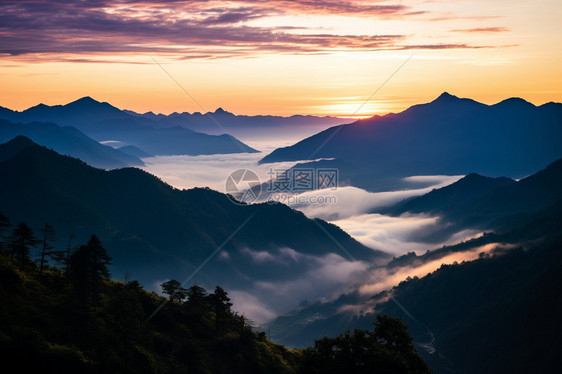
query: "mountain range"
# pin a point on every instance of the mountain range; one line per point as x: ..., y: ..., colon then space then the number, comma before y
x: 70, y: 141
x: 246, y: 127
x: 153, y: 230
x: 104, y: 122
x: 462, y: 314
x: 487, y: 203
x: 494, y: 308
x: 173, y: 134
x: 448, y: 136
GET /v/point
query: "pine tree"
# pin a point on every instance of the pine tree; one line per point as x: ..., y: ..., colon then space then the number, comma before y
x: 88, y: 268
x: 220, y: 304
x: 220, y: 301
x: 174, y: 290
x: 387, y: 349
x: 197, y: 298
x: 46, y: 249
x: 198, y: 308
x: 21, y: 242
x: 4, y: 225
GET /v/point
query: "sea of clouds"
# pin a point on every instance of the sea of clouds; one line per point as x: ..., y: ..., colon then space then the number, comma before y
x: 329, y: 275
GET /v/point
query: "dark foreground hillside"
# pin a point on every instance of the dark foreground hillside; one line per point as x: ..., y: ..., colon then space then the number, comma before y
x: 73, y: 319
x: 497, y: 314
x: 151, y: 229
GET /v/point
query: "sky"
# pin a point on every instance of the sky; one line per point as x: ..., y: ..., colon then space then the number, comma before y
x: 276, y: 56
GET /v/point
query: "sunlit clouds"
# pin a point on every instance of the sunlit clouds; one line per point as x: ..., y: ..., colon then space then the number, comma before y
x: 191, y: 29
x: 277, y: 57
x: 384, y: 279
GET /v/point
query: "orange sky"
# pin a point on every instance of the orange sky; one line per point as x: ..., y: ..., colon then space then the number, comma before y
x: 278, y: 57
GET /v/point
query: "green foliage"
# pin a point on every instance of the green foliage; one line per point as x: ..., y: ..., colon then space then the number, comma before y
x: 46, y: 326
x: 137, y: 230
x: 88, y: 268
x: 497, y: 314
x: 21, y: 242
x: 174, y: 290
x: 220, y: 305
x: 197, y: 298
x: 387, y: 349
x: 50, y: 325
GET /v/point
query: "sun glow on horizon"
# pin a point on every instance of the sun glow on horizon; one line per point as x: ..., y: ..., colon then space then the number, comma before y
x: 279, y: 58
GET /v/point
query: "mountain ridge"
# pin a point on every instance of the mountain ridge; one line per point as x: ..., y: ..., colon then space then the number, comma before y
x: 448, y: 136
x: 160, y: 230
x: 104, y: 122
x: 71, y: 141
x: 483, y: 201
x: 463, y: 312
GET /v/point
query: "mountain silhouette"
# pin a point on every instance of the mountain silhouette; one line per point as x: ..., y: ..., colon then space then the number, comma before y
x: 153, y: 230
x: 449, y: 135
x: 14, y: 146
x: 69, y: 141
x: 464, y: 190
x: 489, y: 202
x: 78, y: 110
x: 103, y: 122
x: 244, y: 126
x: 462, y: 314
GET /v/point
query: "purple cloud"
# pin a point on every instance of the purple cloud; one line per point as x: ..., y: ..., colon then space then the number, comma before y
x: 182, y: 28
x: 483, y: 30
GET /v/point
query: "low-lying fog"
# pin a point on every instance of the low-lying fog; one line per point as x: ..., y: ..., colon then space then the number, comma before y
x: 350, y: 210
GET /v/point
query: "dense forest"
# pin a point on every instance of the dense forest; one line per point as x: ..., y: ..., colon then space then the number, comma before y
x: 60, y: 312
x: 151, y: 229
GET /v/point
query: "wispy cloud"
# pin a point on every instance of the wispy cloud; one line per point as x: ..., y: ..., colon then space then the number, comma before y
x: 483, y: 30
x: 320, y: 276
x: 398, y: 235
x: 186, y: 29
x: 353, y: 8
x: 352, y: 201
x: 452, y: 46
x: 452, y: 17
x: 329, y: 277
x: 388, y: 278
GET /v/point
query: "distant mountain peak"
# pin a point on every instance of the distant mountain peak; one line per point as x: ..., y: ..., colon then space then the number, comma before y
x: 21, y: 141
x: 515, y: 101
x: 14, y: 146
x: 475, y: 178
x: 446, y: 97
x: 85, y: 100
x: 88, y: 103
x: 222, y: 111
